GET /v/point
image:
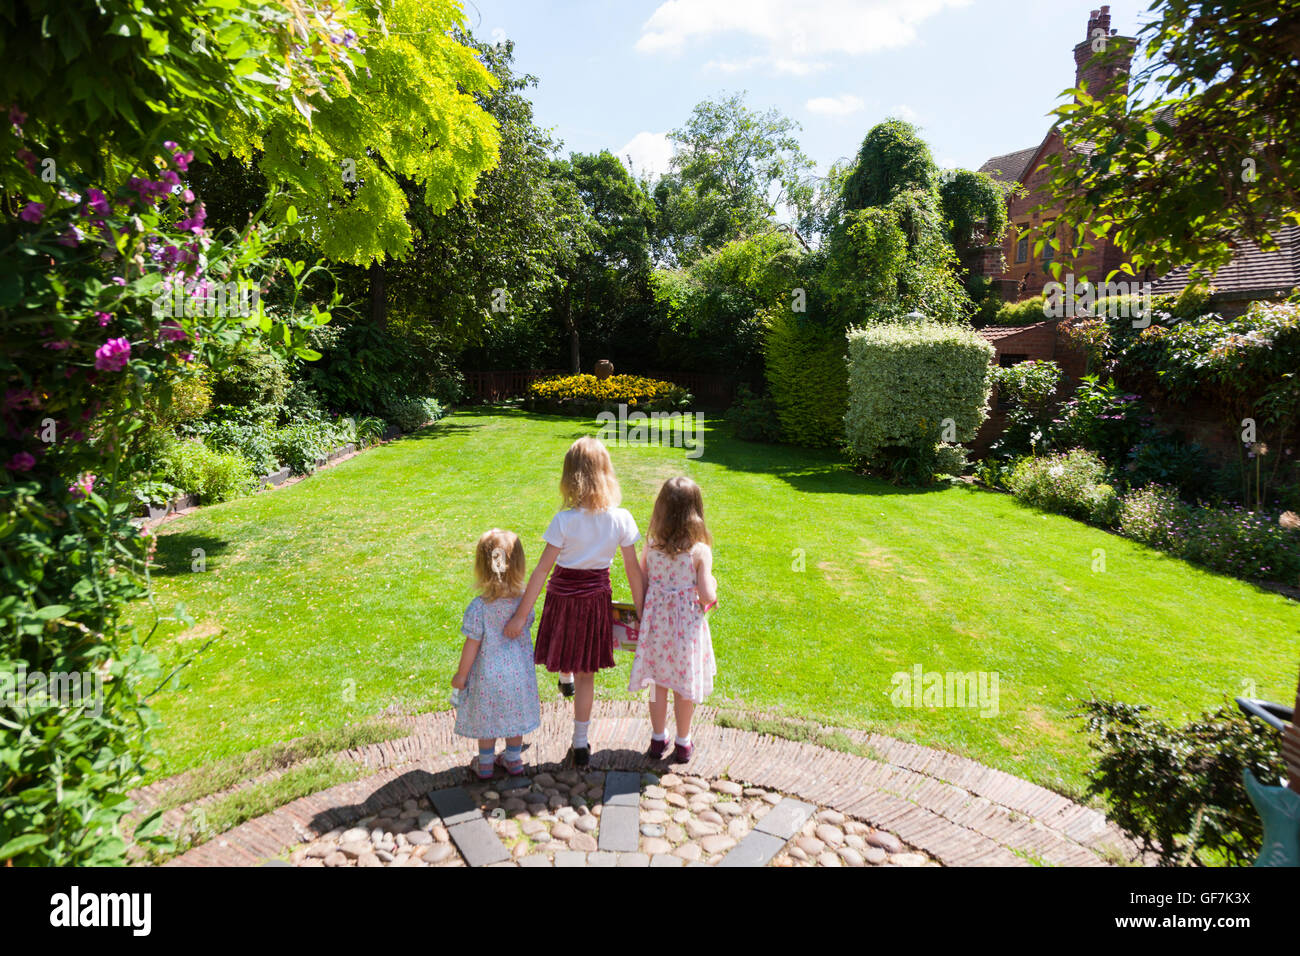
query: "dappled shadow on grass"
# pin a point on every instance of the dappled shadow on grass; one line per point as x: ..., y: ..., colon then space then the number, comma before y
x: 175, y: 554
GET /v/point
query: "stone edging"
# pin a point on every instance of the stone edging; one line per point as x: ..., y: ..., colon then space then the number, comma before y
x: 958, y: 811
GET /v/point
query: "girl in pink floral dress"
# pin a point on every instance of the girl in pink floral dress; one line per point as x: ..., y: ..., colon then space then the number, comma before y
x: 675, y: 649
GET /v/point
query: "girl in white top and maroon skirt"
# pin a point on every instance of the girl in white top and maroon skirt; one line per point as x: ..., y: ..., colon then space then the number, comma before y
x: 576, y: 631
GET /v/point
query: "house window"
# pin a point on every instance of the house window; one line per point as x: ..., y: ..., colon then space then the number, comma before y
x: 1022, y: 244
x: 1049, y: 254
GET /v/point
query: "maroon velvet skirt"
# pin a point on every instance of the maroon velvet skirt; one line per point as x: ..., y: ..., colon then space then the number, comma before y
x: 577, y: 630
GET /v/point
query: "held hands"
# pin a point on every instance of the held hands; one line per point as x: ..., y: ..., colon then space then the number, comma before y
x: 514, y: 627
x: 458, y: 680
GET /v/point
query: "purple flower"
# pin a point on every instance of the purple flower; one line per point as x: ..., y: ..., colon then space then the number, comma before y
x: 183, y: 160
x: 171, y: 145
x: 82, y: 487
x: 172, y: 332
x: 59, y: 345
x: 17, y: 118
x: 71, y: 237
x: 28, y: 159
x: 117, y: 280
x: 33, y: 212
x: 104, y: 318
x: 113, y: 355
x: 98, y: 202
x: 21, y: 462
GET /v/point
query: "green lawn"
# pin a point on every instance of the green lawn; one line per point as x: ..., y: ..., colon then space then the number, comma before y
x: 340, y: 596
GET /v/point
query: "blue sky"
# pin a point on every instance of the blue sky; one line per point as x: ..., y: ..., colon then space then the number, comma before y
x: 977, y: 76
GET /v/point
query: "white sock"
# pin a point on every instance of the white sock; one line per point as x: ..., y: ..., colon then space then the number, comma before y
x: 566, y: 678
x: 681, y: 741
x: 659, y: 738
x: 580, y: 733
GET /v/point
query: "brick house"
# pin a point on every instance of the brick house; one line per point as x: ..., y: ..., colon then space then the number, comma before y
x: 1020, y: 343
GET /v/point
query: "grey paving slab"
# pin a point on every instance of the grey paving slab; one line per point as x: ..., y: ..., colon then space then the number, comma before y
x: 622, y: 789
x: 785, y: 819
x: 666, y: 859
x: 454, y: 806
x: 478, y: 842
x: 620, y: 830
x: 534, y: 861
x: 567, y: 858
x: 756, y: 849
x: 602, y: 858
x: 633, y: 859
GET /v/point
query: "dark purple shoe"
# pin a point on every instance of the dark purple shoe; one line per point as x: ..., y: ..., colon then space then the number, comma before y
x: 657, y: 748
x: 681, y: 754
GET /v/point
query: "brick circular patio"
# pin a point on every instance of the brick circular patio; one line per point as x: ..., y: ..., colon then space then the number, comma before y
x: 953, y: 810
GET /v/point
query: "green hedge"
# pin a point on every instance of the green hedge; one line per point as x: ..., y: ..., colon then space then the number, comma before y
x: 1028, y: 312
x: 806, y: 373
x: 906, y: 380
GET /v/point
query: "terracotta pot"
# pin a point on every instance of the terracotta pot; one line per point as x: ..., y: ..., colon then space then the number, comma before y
x: 604, y: 369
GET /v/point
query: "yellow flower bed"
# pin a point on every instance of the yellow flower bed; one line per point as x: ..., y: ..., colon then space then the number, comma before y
x: 632, y: 389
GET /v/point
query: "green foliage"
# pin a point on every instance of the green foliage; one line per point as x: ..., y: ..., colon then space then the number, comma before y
x: 1177, y: 790
x: 754, y: 417
x: 1029, y: 388
x: 951, y: 460
x: 892, y: 160
x: 251, y: 438
x: 212, y: 475
x: 302, y: 444
x: 1104, y: 418
x: 1198, y: 152
x: 1073, y: 483
x: 975, y: 207
x: 364, y: 367
x: 915, y: 385
x: 411, y: 412
x: 1228, y: 539
x: 252, y: 378
x: 1025, y: 312
x: 714, y: 310
x: 806, y: 372
x: 733, y: 168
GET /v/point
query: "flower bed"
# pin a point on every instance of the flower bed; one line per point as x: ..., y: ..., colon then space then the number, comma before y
x: 582, y: 394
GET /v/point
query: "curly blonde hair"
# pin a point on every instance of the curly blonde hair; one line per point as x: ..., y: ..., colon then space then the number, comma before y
x: 499, y: 565
x: 588, y: 480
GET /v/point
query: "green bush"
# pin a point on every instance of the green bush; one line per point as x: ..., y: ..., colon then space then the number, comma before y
x: 951, y: 459
x: 754, y: 417
x: 1029, y: 388
x: 251, y: 440
x: 410, y: 412
x: 915, y: 385
x: 1026, y: 312
x: 302, y: 444
x: 252, y: 378
x: 1071, y: 484
x: 807, y: 376
x: 212, y: 475
x: 1178, y: 790
x: 1156, y: 516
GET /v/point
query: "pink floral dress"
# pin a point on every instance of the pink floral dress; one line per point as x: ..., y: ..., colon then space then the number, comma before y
x: 675, y: 649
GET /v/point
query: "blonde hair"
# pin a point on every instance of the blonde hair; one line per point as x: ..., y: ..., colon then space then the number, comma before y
x: 588, y: 480
x: 499, y: 565
x: 677, y: 522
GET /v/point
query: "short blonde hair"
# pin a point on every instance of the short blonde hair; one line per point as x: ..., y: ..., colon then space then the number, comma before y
x: 499, y: 565
x: 588, y: 480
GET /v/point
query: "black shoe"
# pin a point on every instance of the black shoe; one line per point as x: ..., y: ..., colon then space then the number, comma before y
x: 581, y: 756
x: 566, y: 688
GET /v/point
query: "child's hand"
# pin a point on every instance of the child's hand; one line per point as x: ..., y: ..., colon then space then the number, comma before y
x: 458, y: 680
x: 514, y: 627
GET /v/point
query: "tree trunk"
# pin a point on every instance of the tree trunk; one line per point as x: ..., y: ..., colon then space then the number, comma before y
x: 378, y: 294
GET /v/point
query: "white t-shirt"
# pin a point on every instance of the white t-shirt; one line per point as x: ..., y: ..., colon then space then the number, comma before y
x: 590, y: 539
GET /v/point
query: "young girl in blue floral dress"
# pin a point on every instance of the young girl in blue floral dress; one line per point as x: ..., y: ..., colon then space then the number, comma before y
x: 576, y: 635
x: 496, y: 680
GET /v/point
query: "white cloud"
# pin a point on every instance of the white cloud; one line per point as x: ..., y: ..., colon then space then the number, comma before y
x: 648, y: 152
x: 841, y: 105
x: 905, y: 113
x: 799, y: 34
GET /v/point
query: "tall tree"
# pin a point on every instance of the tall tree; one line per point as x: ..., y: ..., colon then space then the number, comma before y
x: 734, y: 172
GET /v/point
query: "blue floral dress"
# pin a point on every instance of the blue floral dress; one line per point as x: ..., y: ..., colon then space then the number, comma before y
x: 500, y: 696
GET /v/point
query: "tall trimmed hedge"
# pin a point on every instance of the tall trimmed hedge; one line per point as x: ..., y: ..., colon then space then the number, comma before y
x: 806, y: 373
x: 906, y: 380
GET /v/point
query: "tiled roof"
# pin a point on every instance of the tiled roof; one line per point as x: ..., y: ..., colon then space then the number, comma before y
x: 1010, y: 166
x: 993, y: 333
x: 1251, y: 269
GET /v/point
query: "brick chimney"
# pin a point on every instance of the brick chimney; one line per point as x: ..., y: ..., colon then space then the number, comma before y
x: 1102, y: 55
